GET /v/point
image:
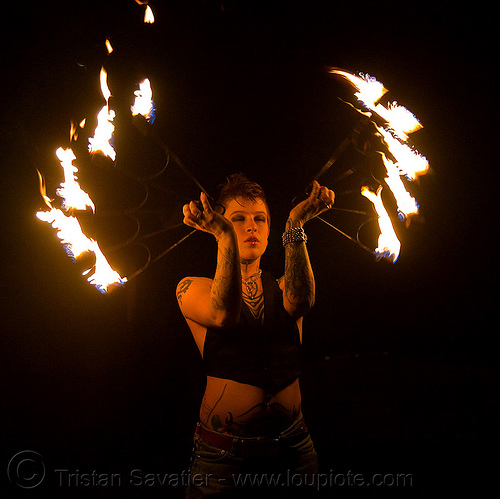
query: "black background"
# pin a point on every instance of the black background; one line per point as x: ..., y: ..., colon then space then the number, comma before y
x: 402, y: 372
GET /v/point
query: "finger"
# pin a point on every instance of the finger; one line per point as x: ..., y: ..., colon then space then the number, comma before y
x: 186, y: 210
x: 331, y: 197
x: 191, y: 218
x: 322, y: 194
x: 314, y: 190
x: 205, y: 203
x: 194, y: 208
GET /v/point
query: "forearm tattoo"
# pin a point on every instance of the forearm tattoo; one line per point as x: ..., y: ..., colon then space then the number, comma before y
x: 223, y: 294
x: 299, y: 279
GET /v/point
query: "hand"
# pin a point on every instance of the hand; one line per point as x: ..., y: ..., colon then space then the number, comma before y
x: 320, y: 200
x: 205, y: 219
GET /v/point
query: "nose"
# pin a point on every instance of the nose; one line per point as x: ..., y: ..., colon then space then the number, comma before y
x: 252, y: 226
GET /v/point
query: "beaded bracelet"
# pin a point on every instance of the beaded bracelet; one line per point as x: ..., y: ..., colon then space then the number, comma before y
x: 295, y: 235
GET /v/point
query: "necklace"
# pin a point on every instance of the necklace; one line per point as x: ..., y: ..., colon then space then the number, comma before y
x: 251, y: 284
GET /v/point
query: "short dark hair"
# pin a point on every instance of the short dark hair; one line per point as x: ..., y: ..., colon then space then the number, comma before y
x: 238, y: 185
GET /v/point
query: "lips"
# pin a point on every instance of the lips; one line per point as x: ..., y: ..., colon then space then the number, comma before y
x: 251, y: 240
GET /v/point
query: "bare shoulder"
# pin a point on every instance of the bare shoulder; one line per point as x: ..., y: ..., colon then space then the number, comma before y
x: 192, y: 285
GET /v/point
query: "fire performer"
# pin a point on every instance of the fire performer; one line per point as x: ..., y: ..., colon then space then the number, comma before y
x: 248, y: 328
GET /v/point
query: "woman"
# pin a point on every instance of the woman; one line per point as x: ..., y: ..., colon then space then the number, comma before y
x: 248, y: 328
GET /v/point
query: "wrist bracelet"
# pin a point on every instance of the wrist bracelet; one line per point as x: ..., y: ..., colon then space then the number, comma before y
x: 296, y: 235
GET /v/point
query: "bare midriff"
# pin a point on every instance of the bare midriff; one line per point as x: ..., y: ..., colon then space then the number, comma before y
x: 239, y: 409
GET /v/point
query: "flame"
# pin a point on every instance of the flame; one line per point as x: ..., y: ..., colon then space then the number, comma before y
x: 73, y: 133
x: 43, y: 190
x: 399, y: 119
x: 109, y: 47
x: 388, y: 243
x: 69, y: 231
x: 76, y: 243
x: 406, y: 203
x: 103, y: 275
x: 409, y: 162
x: 143, y: 103
x: 73, y: 196
x: 101, y: 142
x: 103, y: 79
x: 369, y: 90
x: 149, y: 18
x: 68, y: 228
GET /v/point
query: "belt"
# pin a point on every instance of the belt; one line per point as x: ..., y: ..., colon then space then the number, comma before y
x: 252, y: 446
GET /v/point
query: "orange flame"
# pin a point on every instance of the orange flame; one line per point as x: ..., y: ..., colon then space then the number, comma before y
x: 109, y: 47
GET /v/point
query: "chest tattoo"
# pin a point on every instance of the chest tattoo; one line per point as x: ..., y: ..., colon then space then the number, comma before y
x: 256, y: 304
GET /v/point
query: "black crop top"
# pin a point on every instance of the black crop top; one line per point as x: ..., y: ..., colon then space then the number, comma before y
x: 266, y: 355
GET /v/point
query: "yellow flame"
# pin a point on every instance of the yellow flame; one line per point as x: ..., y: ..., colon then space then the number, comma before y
x: 109, y: 46
x: 369, y: 90
x: 409, y: 162
x: 399, y: 119
x: 73, y: 196
x: 68, y: 228
x: 406, y: 203
x: 388, y: 245
x: 76, y: 243
x: 73, y: 133
x: 43, y: 190
x: 103, y: 275
x: 103, y: 133
x: 69, y: 232
x: 148, y: 15
x: 143, y: 103
x: 82, y: 123
x: 103, y: 78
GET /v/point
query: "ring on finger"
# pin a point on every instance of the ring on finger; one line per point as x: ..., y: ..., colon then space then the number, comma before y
x: 327, y: 205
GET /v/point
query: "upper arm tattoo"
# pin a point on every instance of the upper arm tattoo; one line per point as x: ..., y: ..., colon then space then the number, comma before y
x: 182, y: 288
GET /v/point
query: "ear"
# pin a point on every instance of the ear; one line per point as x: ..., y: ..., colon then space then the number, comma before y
x: 219, y: 208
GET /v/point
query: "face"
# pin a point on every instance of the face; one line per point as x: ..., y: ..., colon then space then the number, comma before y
x: 251, y: 223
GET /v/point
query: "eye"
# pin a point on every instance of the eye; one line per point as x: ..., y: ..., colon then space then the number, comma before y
x: 260, y: 219
x: 237, y: 219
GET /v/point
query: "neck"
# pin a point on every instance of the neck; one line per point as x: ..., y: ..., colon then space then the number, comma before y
x: 249, y: 267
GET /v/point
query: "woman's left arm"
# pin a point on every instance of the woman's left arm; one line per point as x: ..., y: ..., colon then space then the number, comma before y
x: 298, y: 283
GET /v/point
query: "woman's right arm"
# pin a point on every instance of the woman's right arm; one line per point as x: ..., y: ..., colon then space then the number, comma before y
x: 217, y: 302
